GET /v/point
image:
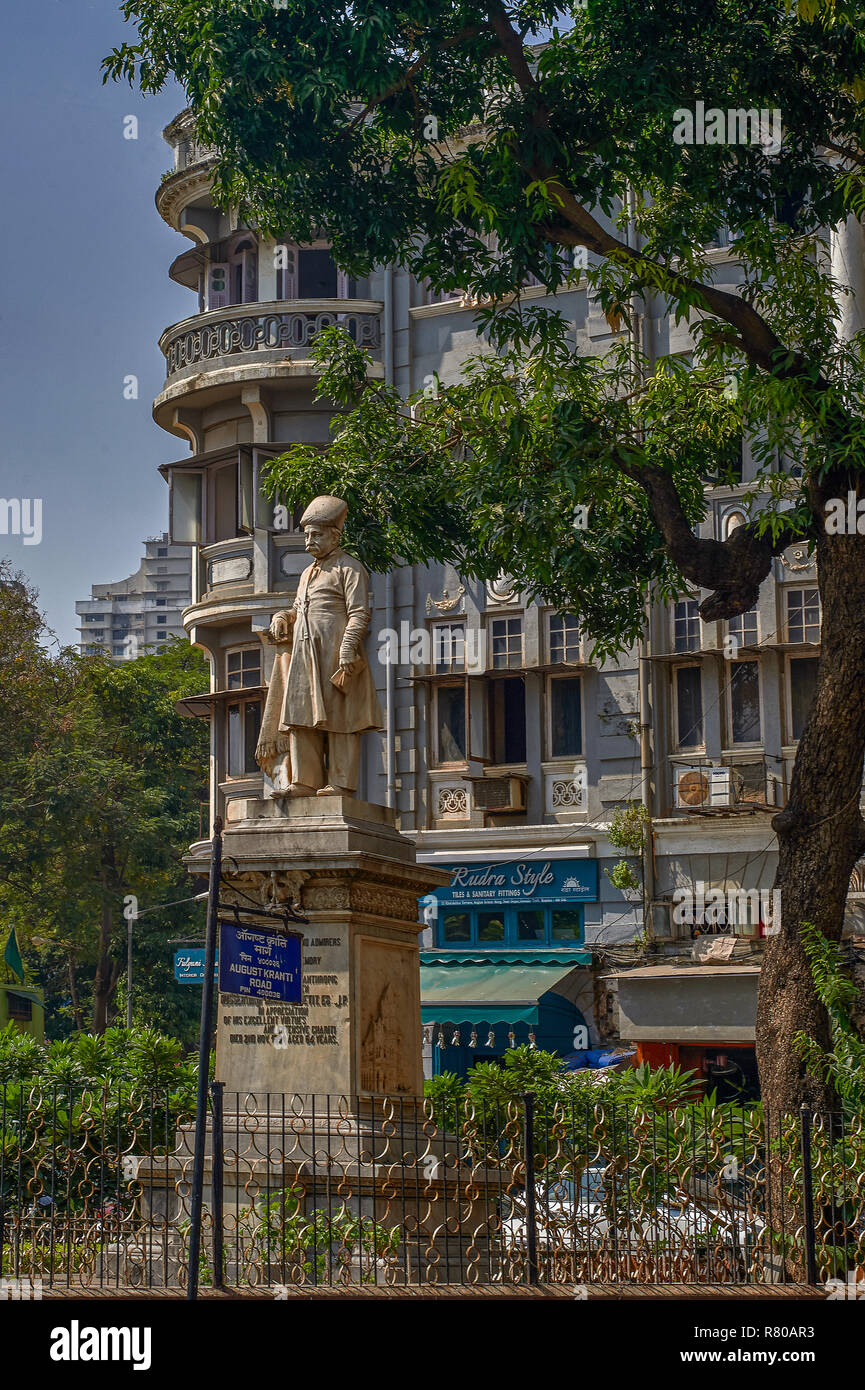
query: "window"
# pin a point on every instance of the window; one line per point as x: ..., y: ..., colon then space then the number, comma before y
x: 491, y: 926
x: 803, y: 688
x: 566, y: 717
x: 507, y: 642
x: 162, y: 552
x: 98, y: 633
x: 689, y: 707
x: 244, y: 723
x: 94, y: 617
x: 744, y: 627
x: 506, y: 719
x: 317, y: 275
x: 117, y: 651
x: 530, y: 924
x: 732, y: 461
x: 451, y: 723
x: 161, y: 586
x: 161, y: 569
x: 564, y: 637
x: 686, y: 626
x: 745, y: 702
x: 286, y: 273
x: 456, y: 926
x: 243, y: 668
x: 567, y: 924
x: 162, y: 618
x: 803, y: 615
x: 510, y: 926
x: 161, y: 636
x: 449, y: 648
x: 19, y: 1007
x: 161, y: 602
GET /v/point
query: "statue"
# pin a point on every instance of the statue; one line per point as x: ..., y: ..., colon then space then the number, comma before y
x: 321, y: 689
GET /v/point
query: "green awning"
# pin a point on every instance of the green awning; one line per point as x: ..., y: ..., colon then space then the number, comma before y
x: 498, y: 991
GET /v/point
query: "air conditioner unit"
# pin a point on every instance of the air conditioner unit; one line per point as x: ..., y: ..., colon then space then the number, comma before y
x: 499, y: 795
x: 703, y: 788
x: 664, y: 925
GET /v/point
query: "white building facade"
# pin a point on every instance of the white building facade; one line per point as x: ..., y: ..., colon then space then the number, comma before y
x: 506, y: 748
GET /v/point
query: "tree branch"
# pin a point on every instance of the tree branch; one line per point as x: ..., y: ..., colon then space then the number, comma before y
x: 733, y: 569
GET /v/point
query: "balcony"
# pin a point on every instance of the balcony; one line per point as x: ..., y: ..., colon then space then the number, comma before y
x: 278, y: 333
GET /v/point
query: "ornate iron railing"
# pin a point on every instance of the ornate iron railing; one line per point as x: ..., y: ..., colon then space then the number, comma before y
x: 324, y: 1190
x: 283, y: 326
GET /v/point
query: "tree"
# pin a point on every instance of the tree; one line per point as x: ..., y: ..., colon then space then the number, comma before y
x: 101, y: 783
x: 447, y: 138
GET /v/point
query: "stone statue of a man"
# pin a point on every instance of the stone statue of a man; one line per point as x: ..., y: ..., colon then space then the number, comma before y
x: 327, y: 692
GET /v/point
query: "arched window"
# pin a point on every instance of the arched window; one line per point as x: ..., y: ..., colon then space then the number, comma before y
x: 732, y: 522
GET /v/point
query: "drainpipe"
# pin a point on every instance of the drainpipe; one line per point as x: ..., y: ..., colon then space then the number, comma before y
x: 645, y: 640
x: 390, y: 669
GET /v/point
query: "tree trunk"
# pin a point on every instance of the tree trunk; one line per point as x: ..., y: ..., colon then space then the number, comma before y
x: 820, y: 833
x: 107, y: 969
x: 73, y: 992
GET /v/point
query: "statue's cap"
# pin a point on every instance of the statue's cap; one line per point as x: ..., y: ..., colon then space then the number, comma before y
x: 325, y: 511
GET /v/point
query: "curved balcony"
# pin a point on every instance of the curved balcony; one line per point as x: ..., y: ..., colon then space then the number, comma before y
x: 278, y: 333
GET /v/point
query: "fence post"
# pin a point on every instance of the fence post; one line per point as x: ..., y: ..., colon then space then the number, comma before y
x: 531, y: 1210
x: 808, y: 1196
x: 217, y: 1168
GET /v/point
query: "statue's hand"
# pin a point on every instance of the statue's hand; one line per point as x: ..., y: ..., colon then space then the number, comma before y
x: 282, y: 625
x: 348, y: 660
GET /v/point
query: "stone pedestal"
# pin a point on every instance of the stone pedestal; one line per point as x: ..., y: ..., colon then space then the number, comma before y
x: 324, y: 1125
x: 357, y: 1031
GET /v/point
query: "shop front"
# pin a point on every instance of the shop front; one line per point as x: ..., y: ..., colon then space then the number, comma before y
x: 507, y: 966
x: 698, y: 1017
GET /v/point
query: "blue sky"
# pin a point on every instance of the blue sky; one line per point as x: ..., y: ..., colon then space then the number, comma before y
x: 85, y: 296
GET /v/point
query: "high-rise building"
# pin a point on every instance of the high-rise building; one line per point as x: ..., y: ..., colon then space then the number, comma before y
x: 136, y: 615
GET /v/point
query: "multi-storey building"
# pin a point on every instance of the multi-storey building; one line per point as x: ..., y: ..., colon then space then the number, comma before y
x: 135, y: 615
x: 506, y: 749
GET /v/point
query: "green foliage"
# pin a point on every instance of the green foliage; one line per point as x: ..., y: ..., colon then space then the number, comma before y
x: 140, y: 1058
x: 101, y: 783
x: 474, y: 158
x: 843, y: 1067
x: 622, y: 876
x: 323, y: 1243
x: 628, y: 827
x: 627, y: 832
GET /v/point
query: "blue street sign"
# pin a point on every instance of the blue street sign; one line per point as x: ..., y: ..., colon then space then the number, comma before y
x: 259, y: 963
x: 189, y: 965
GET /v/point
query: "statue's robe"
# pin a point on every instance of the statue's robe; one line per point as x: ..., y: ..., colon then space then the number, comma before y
x: 333, y: 614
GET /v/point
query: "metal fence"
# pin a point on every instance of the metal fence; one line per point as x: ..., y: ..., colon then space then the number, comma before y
x: 95, y: 1190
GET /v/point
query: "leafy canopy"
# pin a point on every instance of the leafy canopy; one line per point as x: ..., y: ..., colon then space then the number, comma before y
x: 476, y: 147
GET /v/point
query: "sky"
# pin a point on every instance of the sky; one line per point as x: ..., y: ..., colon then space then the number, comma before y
x: 86, y: 296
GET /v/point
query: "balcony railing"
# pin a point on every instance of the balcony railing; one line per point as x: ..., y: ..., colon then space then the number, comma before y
x: 277, y: 330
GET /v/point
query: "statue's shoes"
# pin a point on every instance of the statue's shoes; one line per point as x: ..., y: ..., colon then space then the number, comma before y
x: 299, y: 789
x: 334, y: 791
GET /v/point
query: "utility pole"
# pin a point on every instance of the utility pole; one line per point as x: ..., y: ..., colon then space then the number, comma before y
x: 204, y: 1057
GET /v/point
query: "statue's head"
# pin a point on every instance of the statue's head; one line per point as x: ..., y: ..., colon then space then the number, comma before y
x: 322, y: 524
